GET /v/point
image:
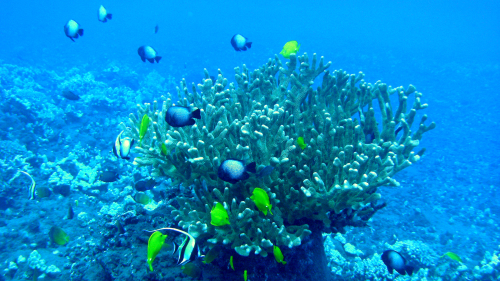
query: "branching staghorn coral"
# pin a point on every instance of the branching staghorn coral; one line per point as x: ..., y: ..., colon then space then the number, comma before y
x: 335, y: 178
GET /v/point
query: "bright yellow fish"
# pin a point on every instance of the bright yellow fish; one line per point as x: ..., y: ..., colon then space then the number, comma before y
x: 290, y: 48
x: 219, y: 215
x: 261, y: 200
x: 155, y: 243
x: 278, y: 255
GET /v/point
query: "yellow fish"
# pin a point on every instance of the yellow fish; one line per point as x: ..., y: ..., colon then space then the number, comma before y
x: 231, y: 262
x: 290, y: 47
x: 219, y: 215
x: 261, y: 200
x: 302, y: 144
x: 155, y: 243
x: 278, y: 255
x: 452, y: 256
x: 58, y: 236
x: 245, y: 275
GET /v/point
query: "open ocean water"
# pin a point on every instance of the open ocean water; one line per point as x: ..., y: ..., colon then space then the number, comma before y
x: 448, y: 202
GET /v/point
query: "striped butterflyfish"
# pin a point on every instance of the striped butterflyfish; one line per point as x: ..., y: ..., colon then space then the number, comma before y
x: 188, y: 250
x: 32, y: 194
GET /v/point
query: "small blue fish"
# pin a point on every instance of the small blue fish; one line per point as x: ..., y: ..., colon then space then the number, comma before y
x: 72, y: 30
x: 265, y: 172
x: 395, y: 261
x: 32, y: 194
x: 121, y: 148
x: 148, y: 53
x: 240, y: 43
x: 233, y: 170
x: 180, y: 116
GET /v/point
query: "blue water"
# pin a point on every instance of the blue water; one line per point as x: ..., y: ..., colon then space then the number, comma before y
x: 447, y: 202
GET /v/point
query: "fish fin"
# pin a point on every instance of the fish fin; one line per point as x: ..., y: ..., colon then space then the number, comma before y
x: 109, y: 16
x: 132, y: 143
x: 244, y: 48
x: 104, y: 20
x: 391, y: 270
x: 401, y: 271
x: 252, y: 167
x: 71, y: 39
x: 151, y: 60
x: 248, y: 45
x: 409, y: 269
x: 196, y: 114
x: 176, y: 247
x: 143, y: 59
x: 270, y: 206
x: 157, y: 58
x: 80, y: 32
x: 114, y: 151
x: 126, y: 158
x: 245, y: 176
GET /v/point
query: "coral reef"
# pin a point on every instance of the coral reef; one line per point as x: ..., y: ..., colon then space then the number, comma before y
x: 354, y: 146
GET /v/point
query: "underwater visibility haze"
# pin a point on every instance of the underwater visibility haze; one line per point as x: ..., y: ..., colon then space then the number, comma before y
x: 262, y: 140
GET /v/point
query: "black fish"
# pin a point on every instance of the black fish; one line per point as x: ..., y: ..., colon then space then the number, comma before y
x: 266, y: 171
x: 180, y: 116
x: 233, y: 170
x: 72, y: 30
x: 144, y: 185
x: 240, y: 43
x: 148, y: 53
x: 109, y: 176
x: 71, y: 214
x: 70, y: 95
x: 398, y: 130
x: 395, y: 261
x: 156, y: 29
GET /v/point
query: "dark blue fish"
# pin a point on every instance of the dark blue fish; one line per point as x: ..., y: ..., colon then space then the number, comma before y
x: 72, y: 30
x: 148, y: 53
x: 233, y: 170
x: 144, y: 185
x: 109, y: 176
x: 265, y: 172
x: 70, y: 95
x: 156, y: 29
x: 240, y: 43
x: 180, y: 116
x: 395, y: 261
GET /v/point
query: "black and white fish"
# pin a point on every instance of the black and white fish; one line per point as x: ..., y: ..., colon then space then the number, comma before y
x: 121, y: 148
x: 180, y: 116
x: 148, y: 53
x: 240, y: 43
x: 32, y: 189
x: 72, y: 30
x: 102, y: 14
x: 395, y: 261
x: 188, y: 250
x: 233, y: 170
